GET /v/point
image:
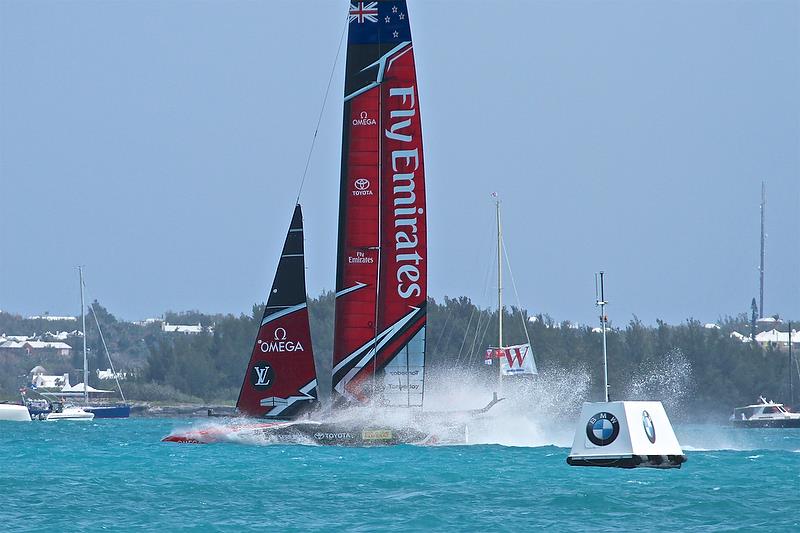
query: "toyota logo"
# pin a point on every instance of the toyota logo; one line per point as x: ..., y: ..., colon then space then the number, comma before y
x: 362, y: 184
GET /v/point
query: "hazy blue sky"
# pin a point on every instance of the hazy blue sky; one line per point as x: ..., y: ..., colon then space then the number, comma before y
x: 161, y: 144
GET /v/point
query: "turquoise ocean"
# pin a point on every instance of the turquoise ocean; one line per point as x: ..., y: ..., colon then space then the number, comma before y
x: 116, y: 475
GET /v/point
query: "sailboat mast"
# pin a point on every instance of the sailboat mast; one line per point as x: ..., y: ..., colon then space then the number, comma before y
x: 601, y: 301
x: 791, y: 369
x: 499, y: 274
x: 761, y: 265
x: 83, y: 325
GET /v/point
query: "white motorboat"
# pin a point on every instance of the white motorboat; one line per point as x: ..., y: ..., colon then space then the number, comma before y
x: 61, y: 411
x: 765, y: 414
x: 14, y: 413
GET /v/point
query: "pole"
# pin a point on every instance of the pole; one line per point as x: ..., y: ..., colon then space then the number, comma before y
x: 601, y: 301
x: 791, y: 368
x: 761, y: 266
x: 499, y: 274
x: 85, y: 362
x: 499, y: 288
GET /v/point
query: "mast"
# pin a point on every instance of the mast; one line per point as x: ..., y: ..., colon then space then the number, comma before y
x: 791, y: 369
x: 601, y: 301
x: 83, y: 325
x: 499, y: 273
x: 761, y: 266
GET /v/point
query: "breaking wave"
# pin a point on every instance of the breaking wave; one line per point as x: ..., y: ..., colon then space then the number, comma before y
x: 533, y: 412
x: 667, y: 378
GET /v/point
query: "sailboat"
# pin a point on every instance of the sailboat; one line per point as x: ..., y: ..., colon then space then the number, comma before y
x: 281, y: 380
x: 58, y: 409
x: 381, y: 278
x: 101, y: 410
x: 280, y: 384
x: 513, y: 360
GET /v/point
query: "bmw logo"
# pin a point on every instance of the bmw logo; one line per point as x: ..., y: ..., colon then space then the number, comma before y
x: 602, y: 429
x: 649, y: 428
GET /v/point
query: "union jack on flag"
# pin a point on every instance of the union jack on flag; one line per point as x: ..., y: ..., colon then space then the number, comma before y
x: 363, y: 11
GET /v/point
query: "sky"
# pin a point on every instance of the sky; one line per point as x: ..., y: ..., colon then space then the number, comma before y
x: 161, y: 143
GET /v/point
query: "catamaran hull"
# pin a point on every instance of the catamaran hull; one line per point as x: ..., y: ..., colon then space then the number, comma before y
x: 321, y: 434
x: 14, y: 413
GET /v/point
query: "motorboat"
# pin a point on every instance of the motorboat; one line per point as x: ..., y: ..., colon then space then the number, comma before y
x: 765, y: 414
x: 67, y: 411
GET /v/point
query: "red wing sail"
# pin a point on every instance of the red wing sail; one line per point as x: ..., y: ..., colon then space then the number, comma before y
x: 381, y: 280
x: 281, y: 380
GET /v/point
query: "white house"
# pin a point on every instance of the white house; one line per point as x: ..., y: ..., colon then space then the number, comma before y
x: 182, y: 328
x: 41, y: 380
x: 740, y: 337
x: 61, y: 348
x: 109, y: 374
x: 778, y: 339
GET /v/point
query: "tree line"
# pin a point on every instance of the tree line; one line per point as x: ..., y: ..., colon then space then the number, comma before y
x: 716, y: 371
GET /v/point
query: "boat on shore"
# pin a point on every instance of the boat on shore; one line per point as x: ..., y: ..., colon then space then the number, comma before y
x: 765, y: 414
x: 67, y: 411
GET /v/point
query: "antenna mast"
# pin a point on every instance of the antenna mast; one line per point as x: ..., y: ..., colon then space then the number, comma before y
x: 601, y: 301
x: 761, y: 267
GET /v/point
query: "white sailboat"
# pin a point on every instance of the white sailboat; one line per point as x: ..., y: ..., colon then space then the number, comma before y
x: 59, y: 410
x: 516, y: 359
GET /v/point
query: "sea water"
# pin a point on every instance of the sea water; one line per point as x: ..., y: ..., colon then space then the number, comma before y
x: 116, y: 475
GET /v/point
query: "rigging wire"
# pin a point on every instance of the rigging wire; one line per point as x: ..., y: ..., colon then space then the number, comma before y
x: 467, y: 330
x: 322, y: 109
x: 516, y: 294
x: 475, y: 308
x: 105, y: 347
x: 444, y: 329
x: 466, y: 334
x: 108, y: 355
x: 473, y: 353
x: 472, y: 358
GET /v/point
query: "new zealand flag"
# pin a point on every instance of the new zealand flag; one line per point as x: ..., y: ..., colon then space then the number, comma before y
x: 381, y: 21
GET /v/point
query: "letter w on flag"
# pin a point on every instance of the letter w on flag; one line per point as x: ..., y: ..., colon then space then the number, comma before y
x: 515, y: 360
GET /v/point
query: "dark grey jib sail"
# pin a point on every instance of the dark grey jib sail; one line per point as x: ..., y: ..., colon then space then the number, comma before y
x: 281, y: 380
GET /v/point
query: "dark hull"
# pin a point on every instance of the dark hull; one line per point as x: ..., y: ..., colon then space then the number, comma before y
x: 109, y: 411
x: 344, y: 433
x: 631, y: 461
x: 785, y: 423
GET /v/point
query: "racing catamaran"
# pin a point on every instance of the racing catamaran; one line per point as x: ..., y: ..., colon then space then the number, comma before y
x: 381, y: 277
x: 280, y: 383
